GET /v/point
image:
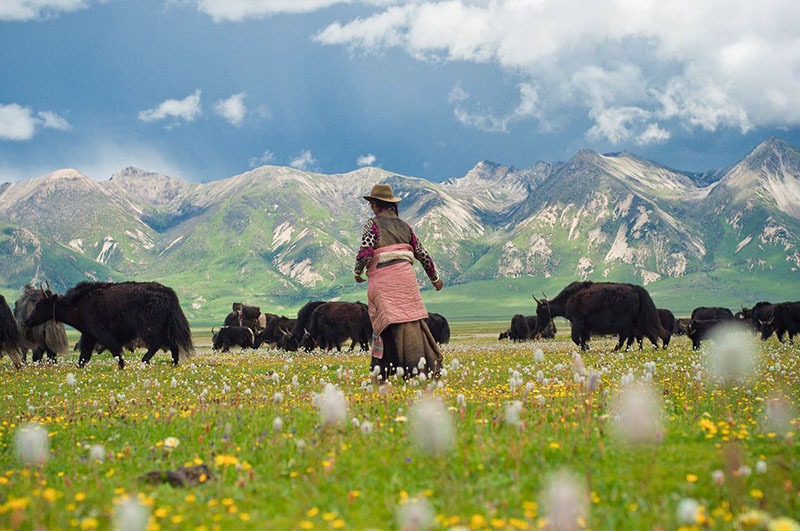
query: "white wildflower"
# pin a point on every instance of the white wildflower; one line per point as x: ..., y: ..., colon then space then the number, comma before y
x: 639, y: 415
x: 431, y: 425
x: 332, y: 405
x: 277, y: 424
x: 33, y: 444
x: 277, y: 397
x: 97, y: 452
x: 513, y: 410
x: 564, y: 501
x: 761, y: 467
x: 732, y: 357
x: 130, y: 515
x: 71, y: 380
x: 416, y: 515
x: 366, y: 427
x: 687, y: 511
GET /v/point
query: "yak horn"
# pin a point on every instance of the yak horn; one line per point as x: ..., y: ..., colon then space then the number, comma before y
x: 543, y: 295
x: 534, y: 298
x: 47, y: 283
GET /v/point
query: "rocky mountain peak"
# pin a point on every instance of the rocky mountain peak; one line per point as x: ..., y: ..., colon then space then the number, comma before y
x: 151, y: 188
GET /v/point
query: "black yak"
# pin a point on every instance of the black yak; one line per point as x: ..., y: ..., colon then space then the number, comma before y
x: 334, y: 322
x: 704, y: 313
x: 519, y: 331
x: 9, y: 334
x: 603, y: 308
x: 753, y: 317
x: 49, y: 337
x: 504, y: 335
x: 681, y: 327
x: 439, y: 327
x: 785, y: 318
x: 699, y: 329
x: 667, y: 319
x: 301, y: 327
x: 232, y: 336
x: 114, y: 314
x: 276, y: 332
x: 98, y: 348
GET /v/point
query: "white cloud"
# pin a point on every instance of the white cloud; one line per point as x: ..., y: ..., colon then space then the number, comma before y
x: 20, y: 10
x: 625, y: 64
x: 51, y: 120
x: 304, y: 161
x: 265, y: 158
x: 187, y: 109
x: 528, y: 107
x: 457, y: 94
x: 19, y: 123
x: 366, y: 160
x: 653, y: 134
x: 16, y: 122
x: 237, y: 10
x: 232, y: 109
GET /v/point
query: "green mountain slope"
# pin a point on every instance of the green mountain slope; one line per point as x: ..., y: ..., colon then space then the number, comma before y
x: 279, y: 236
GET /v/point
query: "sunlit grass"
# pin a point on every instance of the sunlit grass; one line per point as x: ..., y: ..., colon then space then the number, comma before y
x: 222, y: 408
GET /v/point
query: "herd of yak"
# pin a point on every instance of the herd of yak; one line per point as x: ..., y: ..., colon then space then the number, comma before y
x: 117, y: 316
x: 319, y: 324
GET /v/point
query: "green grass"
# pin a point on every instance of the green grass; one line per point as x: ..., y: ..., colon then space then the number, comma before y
x: 222, y: 404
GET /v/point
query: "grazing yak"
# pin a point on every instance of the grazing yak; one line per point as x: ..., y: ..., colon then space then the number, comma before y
x: 232, y: 336
x: 667, y: 319
x: 114, y: 314
x: 333, y: 323
x: 757, y: 315
x: 785, y: 319
x: 439, y: 327
x: 531, y: 321
x: 704, y: 313
x: 301, y: 327
x: 130, y: 347
x: 699, y: 330
x: 681, y: 327
x: 520, y: 329
x: 603, y: 308
x: 49, y: 337
x: 278, y: 332
x: 9, y: 334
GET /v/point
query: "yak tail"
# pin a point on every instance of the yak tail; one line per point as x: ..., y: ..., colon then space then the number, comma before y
x: 179, y: 333
x: 55, y: 337
x: 650, y: 324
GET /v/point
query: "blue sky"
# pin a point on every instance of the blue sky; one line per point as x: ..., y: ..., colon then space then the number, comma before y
x: 206, y: 89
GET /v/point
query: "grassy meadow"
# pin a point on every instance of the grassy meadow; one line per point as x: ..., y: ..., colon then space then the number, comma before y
x: 714, y: 461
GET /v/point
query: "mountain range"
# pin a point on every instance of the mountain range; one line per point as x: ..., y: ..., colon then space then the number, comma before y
x: 278, y: 236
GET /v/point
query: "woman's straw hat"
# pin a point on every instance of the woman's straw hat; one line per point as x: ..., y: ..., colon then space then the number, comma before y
x: 382, y: 192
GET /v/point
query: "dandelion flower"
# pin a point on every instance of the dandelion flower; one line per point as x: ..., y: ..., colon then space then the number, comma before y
x: 366, y: 427
x: 277, y: 424
x: 71, y: 380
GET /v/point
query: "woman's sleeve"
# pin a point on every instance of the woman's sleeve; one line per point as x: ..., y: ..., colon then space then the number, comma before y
x: 424, y: 258
x: 369, y: 239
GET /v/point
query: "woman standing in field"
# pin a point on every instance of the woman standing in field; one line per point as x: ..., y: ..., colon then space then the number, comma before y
x: 401, y: 337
